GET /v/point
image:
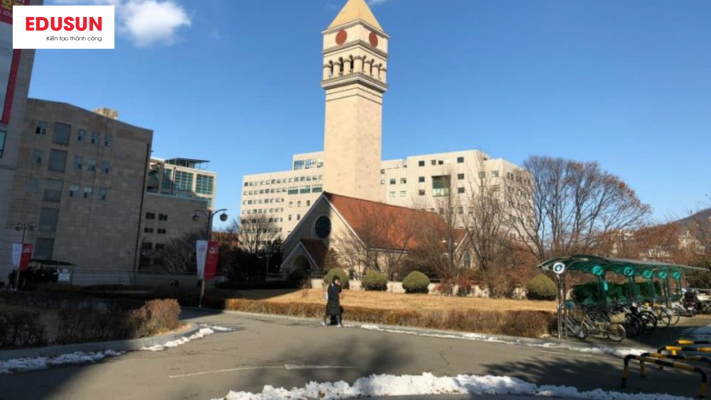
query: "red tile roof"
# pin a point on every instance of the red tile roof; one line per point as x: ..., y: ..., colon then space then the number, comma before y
x: 384, y: 226
x: 316, y: 249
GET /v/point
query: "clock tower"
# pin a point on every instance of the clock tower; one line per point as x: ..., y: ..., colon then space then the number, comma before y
x: 355, y: 53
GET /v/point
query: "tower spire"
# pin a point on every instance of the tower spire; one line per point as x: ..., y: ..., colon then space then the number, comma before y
x: 355, y: 10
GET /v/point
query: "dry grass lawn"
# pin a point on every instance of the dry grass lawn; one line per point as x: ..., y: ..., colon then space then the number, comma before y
x: 398, y: 301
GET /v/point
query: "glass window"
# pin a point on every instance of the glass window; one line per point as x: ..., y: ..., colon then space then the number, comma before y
x: 102, y: 194
x: 382, y: 181
x: 183, y: 181
x: 461, y: 190
x: 205, y: 184
x: 316, y: 189
x: 422, y: 179
x: 460, y: 177
x: 403, y: 193
x: 78, y: 162
x: 421, y: 163
x: 53, y: 190
x: 44, y: 247
x: 403, y: 181
x: 41, y: 128
x: 150, y: 215
x: 37, y: 155
x: 108, y: 141
x: 62, y: 133
x: 422, y: 192
x: 106, y: 167
x: 391, y: 194
x: 298, y: 165
x: 32, y: 185
x: 440, y: 185
x: 91, y: 165
x: 494, y: 174
x: 460, y: 160
x: 305, y: 189
x: 293, y: 190
x: 88, y: 191
x: 95, y: 138
x: 393, y: 181
x: 48, y: 219
x: 482, y: 175
x: 81, y: 135
x: 57, y: 160
x: 3, y: 134
x: 73, y: 190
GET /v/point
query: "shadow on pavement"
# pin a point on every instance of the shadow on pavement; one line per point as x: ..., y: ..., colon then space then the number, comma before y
x: 588, y: 374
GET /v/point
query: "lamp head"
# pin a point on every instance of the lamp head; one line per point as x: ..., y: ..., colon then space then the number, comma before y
x: 196, y: 217
x: 223, y: 217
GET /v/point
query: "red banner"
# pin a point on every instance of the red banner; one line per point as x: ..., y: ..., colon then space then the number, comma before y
x: 6, y: 9
x: 26, y: 256
x: 9, y: 58
x: 213, y: 254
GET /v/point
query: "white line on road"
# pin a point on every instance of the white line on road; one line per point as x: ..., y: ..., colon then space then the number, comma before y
x: 285, y: 366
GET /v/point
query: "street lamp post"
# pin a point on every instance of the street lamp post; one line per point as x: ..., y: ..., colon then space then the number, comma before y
x: 24, y: 227
x: 209, y: 216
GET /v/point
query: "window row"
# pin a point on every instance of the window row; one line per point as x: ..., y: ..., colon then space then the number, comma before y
x: 149, y: 246
x: 58, y: 161
x: 53, y: 189
x: 161, y: 217
x: 62, y: 134
x: 284, y: 180
x: 307, y: 203
x: 152, y: 230
x: 308, y: 164
x: 305, y: 189
x: 262, y: 201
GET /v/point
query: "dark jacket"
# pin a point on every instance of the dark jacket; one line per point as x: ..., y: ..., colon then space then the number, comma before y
x: 333, y: 307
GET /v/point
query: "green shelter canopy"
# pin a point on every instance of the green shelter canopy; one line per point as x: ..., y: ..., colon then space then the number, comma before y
x: 599, y: 266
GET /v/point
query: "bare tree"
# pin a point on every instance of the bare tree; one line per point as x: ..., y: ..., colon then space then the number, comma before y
x: 560, y: 207
x: 255, y: 232
x: 178, y: 254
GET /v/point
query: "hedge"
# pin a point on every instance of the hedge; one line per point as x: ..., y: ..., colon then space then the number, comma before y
x: 542, y: 287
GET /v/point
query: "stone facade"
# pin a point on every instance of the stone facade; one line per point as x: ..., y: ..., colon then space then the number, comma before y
x: 80, y: 179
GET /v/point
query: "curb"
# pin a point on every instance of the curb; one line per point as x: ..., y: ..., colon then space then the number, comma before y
x: 116, y: 345
x: 444, y: 334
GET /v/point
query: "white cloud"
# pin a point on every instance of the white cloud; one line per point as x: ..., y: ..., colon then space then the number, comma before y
x: 144, y: 22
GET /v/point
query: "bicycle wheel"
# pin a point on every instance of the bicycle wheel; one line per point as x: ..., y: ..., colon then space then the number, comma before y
x: 674, y: 317
x: 615, y: 332
x: 633, y: 325
x: 649, y: 320
x: 664, y: 318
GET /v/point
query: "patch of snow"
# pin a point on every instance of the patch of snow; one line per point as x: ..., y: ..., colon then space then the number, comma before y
x: 179, y: 342
x: 614, y: 351
x: 428, y: 384
x: 37, y: 363
x: 221, y: 329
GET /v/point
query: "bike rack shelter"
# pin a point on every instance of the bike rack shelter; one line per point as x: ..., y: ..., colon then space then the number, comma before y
x: 633, y: 270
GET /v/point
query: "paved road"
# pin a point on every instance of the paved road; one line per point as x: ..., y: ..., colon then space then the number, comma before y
x: 271, y: 351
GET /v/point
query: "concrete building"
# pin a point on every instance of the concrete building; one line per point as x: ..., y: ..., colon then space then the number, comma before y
x: 15, y: 75
x: 80, y: 179
x: 175, y: 189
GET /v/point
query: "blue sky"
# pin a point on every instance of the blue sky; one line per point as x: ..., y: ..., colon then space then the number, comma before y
x: 625, y: 83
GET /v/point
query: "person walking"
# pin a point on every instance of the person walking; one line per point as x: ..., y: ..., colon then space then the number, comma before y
x: 12, y: 280
x: 333, y: 304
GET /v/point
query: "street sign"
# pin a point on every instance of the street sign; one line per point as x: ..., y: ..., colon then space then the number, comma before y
x: 559, y: 268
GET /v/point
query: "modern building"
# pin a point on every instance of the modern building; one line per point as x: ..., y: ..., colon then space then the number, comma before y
x: 81, y: 179
x: 15, y: 75
x: 416, y: 182
x: 175, y: 190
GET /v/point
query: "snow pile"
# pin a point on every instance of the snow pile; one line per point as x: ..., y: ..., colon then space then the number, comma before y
x: 428, y: 384
x: 614, y: 351
x: 31, y: 364
x: 222, y: 329
x: 179, y: 342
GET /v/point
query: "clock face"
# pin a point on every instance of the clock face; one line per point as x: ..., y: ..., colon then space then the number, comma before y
x: 341, y: 37
x: 323, y: 227
x: 373, y: 39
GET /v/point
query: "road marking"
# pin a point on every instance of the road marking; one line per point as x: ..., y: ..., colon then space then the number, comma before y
x: 287, y: 367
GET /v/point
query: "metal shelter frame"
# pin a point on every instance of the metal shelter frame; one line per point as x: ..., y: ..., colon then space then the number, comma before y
x: 631, y: 269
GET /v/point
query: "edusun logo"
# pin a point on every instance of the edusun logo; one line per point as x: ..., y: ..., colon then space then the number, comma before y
x: 71, y: 27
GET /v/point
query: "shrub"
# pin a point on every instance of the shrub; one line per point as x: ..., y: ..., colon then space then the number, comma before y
x: 446, y: 287
x: 21, y: 329
x: 374, y: 280
x: 341, y: 274
x: 541, y: 287
x: 416, y: 282
x: 464, y: 286
x: 298, y: 275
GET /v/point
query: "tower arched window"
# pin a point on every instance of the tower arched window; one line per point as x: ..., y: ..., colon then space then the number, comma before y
x: 330, y: 75
x: 341, y: 66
